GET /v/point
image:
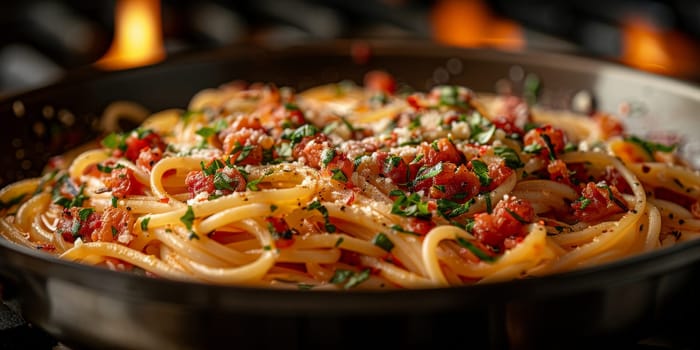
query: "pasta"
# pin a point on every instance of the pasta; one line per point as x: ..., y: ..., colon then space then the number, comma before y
x: 346, y: 186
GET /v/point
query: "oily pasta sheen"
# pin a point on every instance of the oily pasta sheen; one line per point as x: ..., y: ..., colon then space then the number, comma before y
x: 347, y: 186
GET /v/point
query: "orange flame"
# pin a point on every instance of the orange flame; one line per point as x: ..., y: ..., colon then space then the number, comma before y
x: 138, y: 36
x: 470, y: 23
x: 664, y: 52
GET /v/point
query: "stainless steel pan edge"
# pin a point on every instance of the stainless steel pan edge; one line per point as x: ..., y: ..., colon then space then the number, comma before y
x: 88, y: 307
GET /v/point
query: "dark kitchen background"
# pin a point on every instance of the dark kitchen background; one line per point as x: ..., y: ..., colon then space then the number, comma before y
x: 42, y: 41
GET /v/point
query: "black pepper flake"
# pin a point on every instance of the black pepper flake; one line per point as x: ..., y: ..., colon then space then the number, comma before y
x: 646, y: 169
x: 678, y: 182
x: 641, y: 227
x: 681, y: 222
x: 677, y: 234
x: 128, y: 208
x: 634, y: 211
x: 670, y: 216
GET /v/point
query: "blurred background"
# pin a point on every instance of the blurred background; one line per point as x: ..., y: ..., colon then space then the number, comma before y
x: 42, y: 40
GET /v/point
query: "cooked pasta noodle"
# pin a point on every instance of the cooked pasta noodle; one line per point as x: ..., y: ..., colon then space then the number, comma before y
x: 345, y: 186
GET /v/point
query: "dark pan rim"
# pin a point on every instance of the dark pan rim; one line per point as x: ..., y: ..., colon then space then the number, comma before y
x: 20, y: 259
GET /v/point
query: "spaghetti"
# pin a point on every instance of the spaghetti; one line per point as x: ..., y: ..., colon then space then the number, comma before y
x: 344, y: 186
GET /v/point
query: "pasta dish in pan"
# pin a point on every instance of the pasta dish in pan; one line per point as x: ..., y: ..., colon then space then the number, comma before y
x: 347, y: 186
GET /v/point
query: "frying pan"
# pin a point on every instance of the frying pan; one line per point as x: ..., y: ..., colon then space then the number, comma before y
x: 88, y: 307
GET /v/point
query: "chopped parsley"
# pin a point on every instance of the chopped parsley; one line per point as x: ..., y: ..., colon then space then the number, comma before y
x: 400, y: 229
x: 510, y: 157
x: 424, y: 174
x: 114, y: 141
x: 144, y: 223
x: 301, y: 132
x: 482, y: 172
x: 212, y: 167
x: 651, y: 147
x: 382, y: 241
x: 85, y: 213
x: 316, y: 205
x: 339, y: 175
x: 327, y: 156
x: 550, y: 147
x: 349, y: 278
x: 205, y: 132
x: 223, y: 182
x: 410, y: 205
x: 108, y: 169
x: 585, y: 202
x: 450, y: 209
x: 482, y: 130
x: 534, y: 148
x: 188, y: 217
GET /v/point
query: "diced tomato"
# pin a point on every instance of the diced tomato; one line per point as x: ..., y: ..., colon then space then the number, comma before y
x: 493, y: 229
x: 452, y: 182
x: 378, y: 80
x: 245, y: 146
x: 70, y: 226
x: 498, y: 173
x: 198, y: 182
x: 513, y: 115
x: 134, y: 144
x: 122, y: 182
x: 149, y: 157
x: 116, y: 226
x: 557, y: 140
x: 392, y: 167
x: 609, y: 125
x: 281, y: 232
x: 597, y: 202
x: 238, y: 182
x: 414, y: 101
x: 223, y: 180
x: 311, y: 147
x: 442, y: 150
x: 340, y: 161
x: 559, y: 172
x: 420, y: 226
